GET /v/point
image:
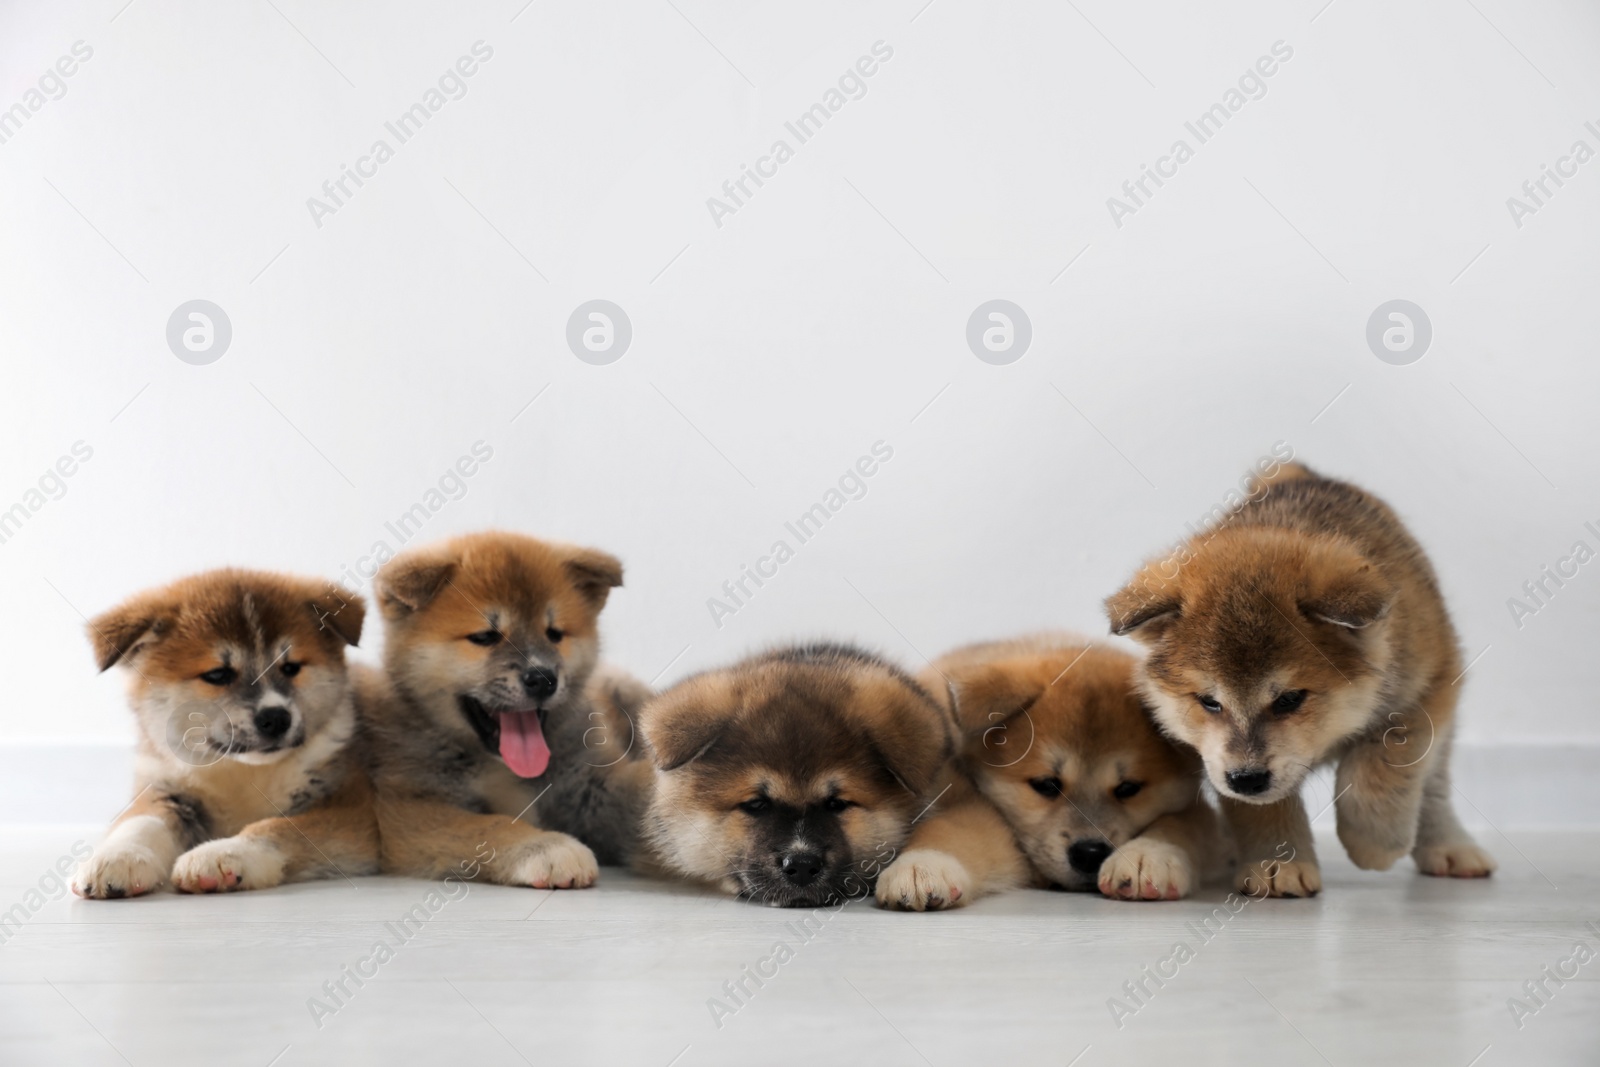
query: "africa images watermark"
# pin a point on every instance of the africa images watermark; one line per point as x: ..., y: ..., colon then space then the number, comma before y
x: 51, y: 85
x: 1542, y: 588
x: 52, y: 486
x: 452, y: 85
x: 1537, y: 990
x: 336, y: 991
x: 1252, y: 85
x: 51, y: 885
x: 852, y: 485
x: 451, y: 486
x: 852, y: 85
x: 1579, y: 154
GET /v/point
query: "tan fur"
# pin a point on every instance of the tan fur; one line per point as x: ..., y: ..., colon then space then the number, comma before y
x: 1311, y: 586
x: 443, y: 795
x: 1064, y: 713
x: 218, y: 805
x: 793, y: 776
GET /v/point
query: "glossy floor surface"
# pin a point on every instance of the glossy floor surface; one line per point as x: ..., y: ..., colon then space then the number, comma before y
x: 1390, y: 968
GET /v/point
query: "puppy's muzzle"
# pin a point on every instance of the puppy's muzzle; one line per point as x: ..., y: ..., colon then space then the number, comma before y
x: 1085, y: 857
x: 540, y: 683
x: 272, y: 723
x: 801, y: 868
x: 1250, y: 782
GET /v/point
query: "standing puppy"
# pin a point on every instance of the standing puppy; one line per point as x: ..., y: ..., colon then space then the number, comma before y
x: 1307, y: 627
x: 482, y: 729
x: 245, y: 772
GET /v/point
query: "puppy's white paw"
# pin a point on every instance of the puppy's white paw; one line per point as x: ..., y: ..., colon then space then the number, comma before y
x: 554, y: 861
x: 226, y: 864
x: 118, y: 870
x: 924, y: 879
x: 1455, y: 859
x: 1279, y: 878
x: 1147, y: 870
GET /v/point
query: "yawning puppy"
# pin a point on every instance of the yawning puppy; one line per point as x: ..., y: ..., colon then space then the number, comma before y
x: 1057, y: 740
x: 791, y: 777
x: 481, y: 728
x: 1307, y: 627
x: 245, y: 775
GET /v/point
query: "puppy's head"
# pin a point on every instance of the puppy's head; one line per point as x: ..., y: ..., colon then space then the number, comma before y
x: 1267, y: 648
x: 791, y: 777
x: 491, y: 633
x: 1057, y: 739
x: 232, y: 664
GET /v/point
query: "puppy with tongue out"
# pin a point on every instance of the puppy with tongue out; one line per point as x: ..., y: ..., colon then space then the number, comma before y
x: 485, y: 733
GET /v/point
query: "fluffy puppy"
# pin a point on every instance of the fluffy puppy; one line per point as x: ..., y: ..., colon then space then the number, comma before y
x: 1307, y: 627
x: 1057, y: 740
x: 245, y: 774
x: 483, y: 727
x: 790, y: 777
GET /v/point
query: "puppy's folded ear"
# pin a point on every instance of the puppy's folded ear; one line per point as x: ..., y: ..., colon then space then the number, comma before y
x: 681, y: 725
x: 989, y: 694
x: 411, y: 580
x: 340, y: 612
x: 594, y: 573
x: 128, y: 629
x: 1355, y: 597
x: 910, y: 731
x: 1145, y: 607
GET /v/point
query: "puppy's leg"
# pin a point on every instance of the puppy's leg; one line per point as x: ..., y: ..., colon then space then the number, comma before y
x: 1380, y: 783
x: 1277, y: 857
x: 1444, y: 847
x: 138, y: 852
x: 954, y: 857
x: 430, y: 839
x: 1168, y: 860
x: 336, y: 839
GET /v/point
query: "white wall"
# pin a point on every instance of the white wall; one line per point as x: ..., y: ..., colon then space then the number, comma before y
x: 823, y: 316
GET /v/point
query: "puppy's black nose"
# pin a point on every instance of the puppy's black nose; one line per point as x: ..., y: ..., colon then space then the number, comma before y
x: 802, y: 868
x: 540, y: 682
x: 272, y: 723
x: 1249, y: 783
x: 1087, y: 856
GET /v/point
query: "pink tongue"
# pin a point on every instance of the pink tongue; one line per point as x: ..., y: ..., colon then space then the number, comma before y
x: 522, y: 743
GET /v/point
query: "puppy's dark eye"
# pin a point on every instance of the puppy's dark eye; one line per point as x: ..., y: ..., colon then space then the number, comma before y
x: 1211, y: 704
x: 219, y: 676
x: 1289, y: 701
x: 1124, y: 790
x: 290, y: 669
x: 555, y: 635
x: 485, y: 637
x: 1047, y: 787
x: 836, y: 804
x: 757, y: 806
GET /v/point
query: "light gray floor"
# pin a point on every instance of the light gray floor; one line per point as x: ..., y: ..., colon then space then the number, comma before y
x: 1391, y: 968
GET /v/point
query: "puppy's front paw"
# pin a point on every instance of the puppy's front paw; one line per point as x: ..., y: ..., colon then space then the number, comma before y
x: 555, y: 861
x: 116, y: 871
x: 228, y: 863
x: 1279, y: 878
x: 924, y: 879
x: 1147, y: 870
x: 1456, y: 859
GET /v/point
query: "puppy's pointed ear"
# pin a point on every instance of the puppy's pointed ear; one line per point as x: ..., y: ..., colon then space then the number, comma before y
x: 1145, y: 607
x: 1354, y: 597
x: 340, y: 612
x: 120, y: 634
x: 411, y: 580
x: 681, y: 725
x: 594, y: 573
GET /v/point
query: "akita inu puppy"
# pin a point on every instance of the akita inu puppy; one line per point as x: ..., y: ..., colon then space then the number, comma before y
x: 1058, y: 741
x: 792, y: 777
x: 483, y: 727
x: 245, y: 772
x: 1307, y: 627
